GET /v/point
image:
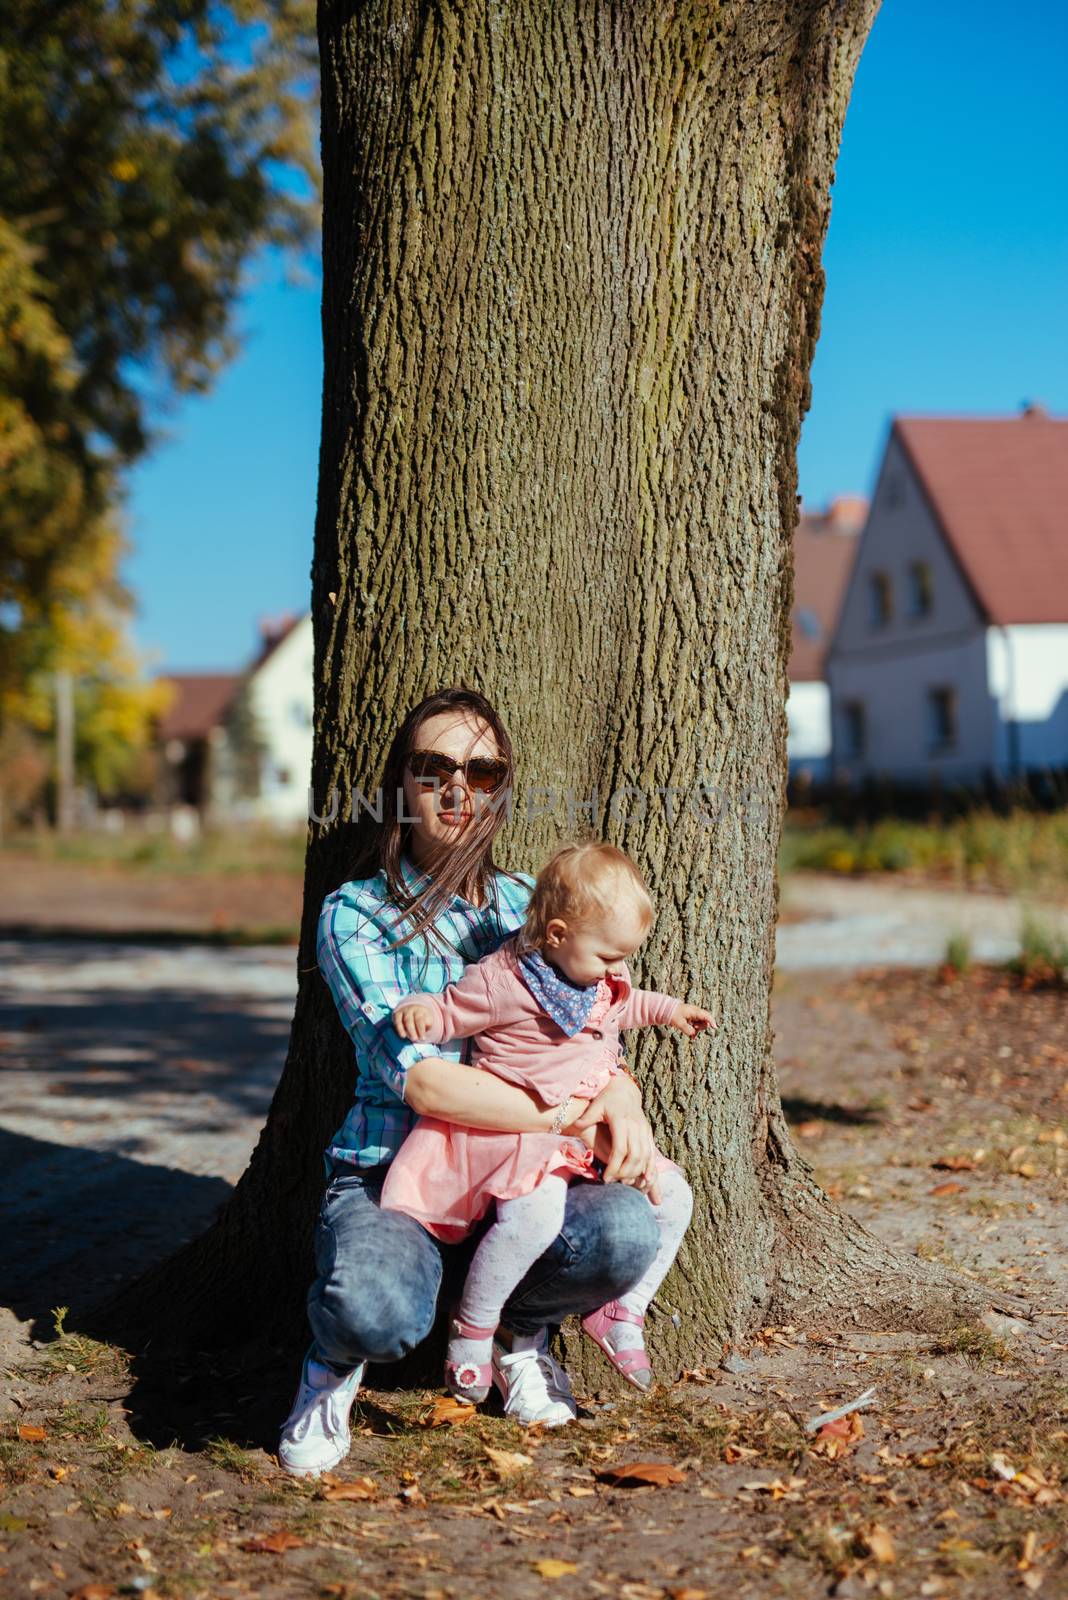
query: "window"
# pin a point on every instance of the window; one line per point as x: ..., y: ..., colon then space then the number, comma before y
x: 894, y: 493
x: 809, y: 623
x: 941, y: 719
x: 880, y: 599
x: 921, y: 589
x: 854, y: 727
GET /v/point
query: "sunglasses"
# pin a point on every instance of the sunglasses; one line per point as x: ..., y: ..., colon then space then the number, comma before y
x: 482, y: 774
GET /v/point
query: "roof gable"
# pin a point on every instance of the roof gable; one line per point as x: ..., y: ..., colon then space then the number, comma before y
x: 998, y: 488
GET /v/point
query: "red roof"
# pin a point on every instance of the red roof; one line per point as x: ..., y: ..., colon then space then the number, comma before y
x: 825, y: 546
x: 200, y: 703
x: 999, y: 489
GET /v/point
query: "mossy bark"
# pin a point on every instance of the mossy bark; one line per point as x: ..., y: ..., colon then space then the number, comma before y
x: 572, y: 288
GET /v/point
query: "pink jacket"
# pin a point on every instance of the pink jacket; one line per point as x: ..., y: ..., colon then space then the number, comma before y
x: 515, y: 1038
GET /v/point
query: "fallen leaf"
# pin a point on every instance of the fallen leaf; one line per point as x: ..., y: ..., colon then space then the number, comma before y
x: 580, y: 1490
x: 32, y: 1433
x: 688, y: 1594
x: 507, y: 1463
x: 353, y: 1489
x: 446, y: 1410
x: 550, y: 1567
x: 954, y: 1164
x: 947, y: 1188
x: 412, y: 1495
x: 274, y: 1544
x: 877, y: 1542
x: 94, y: 1591
x: 848, y: 1427
x: 636, y: 1473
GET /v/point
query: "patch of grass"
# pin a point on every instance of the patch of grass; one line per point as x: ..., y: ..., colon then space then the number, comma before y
x: 239, y: 850
x: 1023, y: 850
x: 958, y: 953
x: 224, y: 1453
x: 1043, y: 958
x: 16, y: 1462
x: 975, y: 1342
x: 74, y: 1421
x: 77, y: 1353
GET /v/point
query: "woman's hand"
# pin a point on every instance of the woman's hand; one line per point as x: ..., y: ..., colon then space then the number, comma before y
x: 632, y: 1154
x: 692, y: 1020
x: 412, y: 1019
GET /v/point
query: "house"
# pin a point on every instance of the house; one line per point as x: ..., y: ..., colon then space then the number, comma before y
x: 237, y: 746
x: 280, y: 694
x: 949, y: 663
x: 191, y: 734
x: 825, y: 547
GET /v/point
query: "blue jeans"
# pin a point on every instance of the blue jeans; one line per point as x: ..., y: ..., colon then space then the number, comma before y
x: 379, y: 1272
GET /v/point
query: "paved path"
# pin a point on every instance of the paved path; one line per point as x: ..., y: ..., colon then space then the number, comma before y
x: 880, y: 922
x: 133, y: 1085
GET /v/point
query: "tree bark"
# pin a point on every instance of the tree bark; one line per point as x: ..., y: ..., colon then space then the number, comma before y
x: 572, y: 289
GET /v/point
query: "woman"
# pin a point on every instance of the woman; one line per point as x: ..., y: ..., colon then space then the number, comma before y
x: 426, y: 899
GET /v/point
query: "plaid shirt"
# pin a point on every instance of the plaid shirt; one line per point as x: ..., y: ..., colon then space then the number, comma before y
x: 367, y: 980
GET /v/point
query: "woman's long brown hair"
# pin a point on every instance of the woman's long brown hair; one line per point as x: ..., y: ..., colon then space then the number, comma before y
x: 468, y: 869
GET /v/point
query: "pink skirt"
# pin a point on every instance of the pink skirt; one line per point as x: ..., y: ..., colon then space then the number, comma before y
x: 445, y: 1176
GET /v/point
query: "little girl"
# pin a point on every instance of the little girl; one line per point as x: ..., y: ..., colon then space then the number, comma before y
x: 543, y: 1011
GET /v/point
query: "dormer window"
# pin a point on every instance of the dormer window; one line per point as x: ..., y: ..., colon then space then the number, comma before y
x: 921, y: 589
x: 880, y: 599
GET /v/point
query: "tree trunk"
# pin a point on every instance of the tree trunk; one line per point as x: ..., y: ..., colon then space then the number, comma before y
x: 571, y: 295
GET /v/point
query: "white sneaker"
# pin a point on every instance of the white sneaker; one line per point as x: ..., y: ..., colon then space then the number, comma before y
x: 315, y: 1435
x: 534, y: 1387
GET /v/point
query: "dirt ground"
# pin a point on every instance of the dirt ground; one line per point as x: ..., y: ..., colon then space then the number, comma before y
x: 934, y: 1109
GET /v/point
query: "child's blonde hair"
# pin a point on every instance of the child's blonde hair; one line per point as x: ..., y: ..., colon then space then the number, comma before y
x: 578, y: 882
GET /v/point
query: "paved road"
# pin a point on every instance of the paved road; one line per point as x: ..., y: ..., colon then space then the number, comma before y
x: 133, y: 1085
x: 883, y: 922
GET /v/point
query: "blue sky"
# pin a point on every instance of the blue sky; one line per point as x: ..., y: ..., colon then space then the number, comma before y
x: 947, y: 271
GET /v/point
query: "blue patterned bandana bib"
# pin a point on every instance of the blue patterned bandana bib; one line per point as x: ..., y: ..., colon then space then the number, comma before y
x: 564, y: 1001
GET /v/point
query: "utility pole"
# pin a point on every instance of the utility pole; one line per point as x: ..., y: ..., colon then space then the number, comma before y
x: 64, y: 752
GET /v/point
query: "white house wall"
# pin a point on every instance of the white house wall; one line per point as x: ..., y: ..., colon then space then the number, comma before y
x: 281, y: 692
x: 1027, y: 667
x: 890, y: 668
x: 808, y: 737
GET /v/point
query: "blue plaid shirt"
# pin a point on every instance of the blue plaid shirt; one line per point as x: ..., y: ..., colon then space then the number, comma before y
x: 367, y: 980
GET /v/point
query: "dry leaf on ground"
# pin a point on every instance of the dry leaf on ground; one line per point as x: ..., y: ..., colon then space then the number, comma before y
x: 354, y: 1489
x: 550, y: 1567
x: 634, y: 1474
x: 877, y: 1542
x: 506, y: 1463
x: 274, y: 1544
x: 446, y: 1410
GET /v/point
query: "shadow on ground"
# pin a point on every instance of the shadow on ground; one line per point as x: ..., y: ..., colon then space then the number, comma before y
x: 79, y: 1223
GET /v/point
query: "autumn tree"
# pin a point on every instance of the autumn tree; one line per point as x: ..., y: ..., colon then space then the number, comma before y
x: 147, y: 151
x: 572, y: 290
